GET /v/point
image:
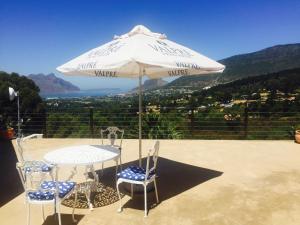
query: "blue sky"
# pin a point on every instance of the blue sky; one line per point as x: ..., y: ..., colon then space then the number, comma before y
x: 37, y: 36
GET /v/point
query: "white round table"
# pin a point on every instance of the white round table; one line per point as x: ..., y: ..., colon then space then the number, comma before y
x: 83, y: 155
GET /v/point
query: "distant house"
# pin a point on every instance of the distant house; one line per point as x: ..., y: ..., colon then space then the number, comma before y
x: 202, y: 107
x: 206, y: 88
x: 227, y: 105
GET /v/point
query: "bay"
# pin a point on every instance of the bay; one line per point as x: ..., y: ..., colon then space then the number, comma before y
x: 83, y: 93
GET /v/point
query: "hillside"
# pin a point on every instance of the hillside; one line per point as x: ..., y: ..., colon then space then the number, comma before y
x: 197, y: 81
x: 286, y: 81
x: 151, y: 84
x: 52, y: 84
x: 269, y: 60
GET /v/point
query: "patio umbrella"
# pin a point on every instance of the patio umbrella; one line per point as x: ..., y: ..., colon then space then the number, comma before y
x: 137, y: 53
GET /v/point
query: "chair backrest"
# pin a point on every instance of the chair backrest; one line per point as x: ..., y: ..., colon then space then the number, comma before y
x: 32, y: 178
x: 112, y: 134
x: 21, y: 146
x: 22, y: 174
x: 153, y: 153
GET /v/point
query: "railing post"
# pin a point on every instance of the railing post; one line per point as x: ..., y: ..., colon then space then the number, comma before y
x: 246, y: 121
x: 192, y: 122
x: 92, y: 121
x: 46, y: 123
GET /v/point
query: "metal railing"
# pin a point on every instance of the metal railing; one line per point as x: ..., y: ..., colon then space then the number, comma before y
x: 167, y: 123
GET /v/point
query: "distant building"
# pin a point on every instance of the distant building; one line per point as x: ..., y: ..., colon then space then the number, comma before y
x: 206, y: 88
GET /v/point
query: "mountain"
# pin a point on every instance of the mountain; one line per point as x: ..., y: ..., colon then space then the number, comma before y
x: 269, y: 60
x: 49, y: 84
x: 197, y: 81
x: 151, y: 84
x: 286, y: 81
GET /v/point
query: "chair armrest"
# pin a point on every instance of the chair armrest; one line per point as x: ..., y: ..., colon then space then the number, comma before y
x: 19, y: 165
x: 33, y: 136
x: 122, y: 134
x: 101, y: 135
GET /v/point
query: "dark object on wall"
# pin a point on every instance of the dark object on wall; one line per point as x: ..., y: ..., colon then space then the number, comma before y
x: 10, y: 179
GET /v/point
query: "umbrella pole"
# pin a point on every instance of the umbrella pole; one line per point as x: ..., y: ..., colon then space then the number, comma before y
x: 140, y: 118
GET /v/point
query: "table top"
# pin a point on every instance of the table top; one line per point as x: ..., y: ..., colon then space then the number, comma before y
x: 82, y: 155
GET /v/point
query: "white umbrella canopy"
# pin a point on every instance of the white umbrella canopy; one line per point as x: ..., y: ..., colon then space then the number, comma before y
x: 137, y: 53
x: 140, y: 52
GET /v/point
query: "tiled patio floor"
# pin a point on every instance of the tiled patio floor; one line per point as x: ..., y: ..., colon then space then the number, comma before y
x: 200, y: 182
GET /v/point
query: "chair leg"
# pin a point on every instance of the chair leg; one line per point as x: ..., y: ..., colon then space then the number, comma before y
x: 54, y: 209
x: 156, y: 192
x: 117, y: 165
x: 121, y: 162
x: 73, y: 218
x: 102, y: 169
x: 131, y: 190
x: 43, y: 212
x: 120, y: 199
x: 28, y: 213
x: 58, y: 213
x: 51, y: 175
x: 145, y: 195
x: 56, y: 173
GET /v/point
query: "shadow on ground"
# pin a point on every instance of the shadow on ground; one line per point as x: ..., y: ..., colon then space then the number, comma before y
x: 174, y: 179
x: 65, y: 219
x: 9, y: 176
x: 101, y: 195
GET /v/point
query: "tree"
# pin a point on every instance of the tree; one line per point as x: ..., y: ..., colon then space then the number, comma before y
x: 32, y: 108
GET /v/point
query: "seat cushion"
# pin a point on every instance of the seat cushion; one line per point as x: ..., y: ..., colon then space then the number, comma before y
x: 40, y: 195
x: 63, y: 187
x: 39, y: 164
x: 134, y: 173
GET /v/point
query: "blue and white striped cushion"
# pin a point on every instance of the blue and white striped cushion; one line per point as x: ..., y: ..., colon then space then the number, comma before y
x: 40, y: 195
x: 134, y: 173
x: 63, y: 187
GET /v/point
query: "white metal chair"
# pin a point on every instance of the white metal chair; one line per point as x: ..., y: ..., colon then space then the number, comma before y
x: 115, y: 137
x: 26, y: 161
x: 40, y: 191
x: 141, y: 176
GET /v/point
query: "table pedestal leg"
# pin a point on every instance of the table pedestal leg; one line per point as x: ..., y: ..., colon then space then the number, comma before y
x: 96, y: 178
x: 88, y: 197
x: 73, y: 173
x: 88, y: 187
